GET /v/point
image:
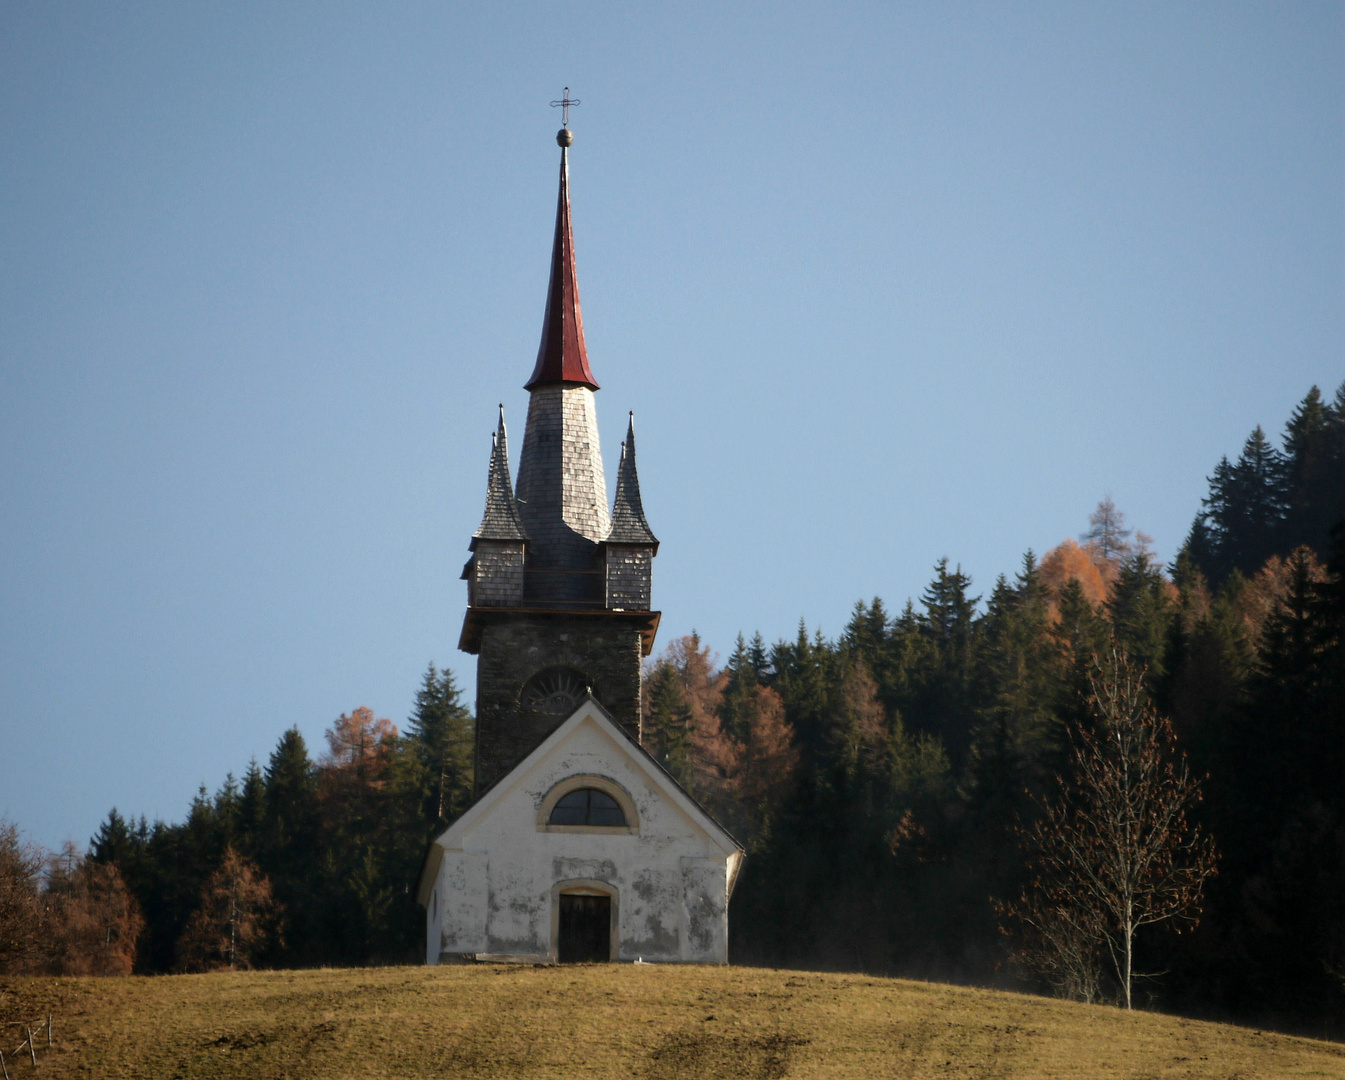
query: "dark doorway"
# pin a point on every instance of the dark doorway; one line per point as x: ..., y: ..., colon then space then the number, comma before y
x: 585, y: 929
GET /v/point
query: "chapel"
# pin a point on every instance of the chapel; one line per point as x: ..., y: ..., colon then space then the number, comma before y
x: 578, y: 846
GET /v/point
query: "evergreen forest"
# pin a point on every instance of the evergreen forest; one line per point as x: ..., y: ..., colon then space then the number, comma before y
x: 887, y: 783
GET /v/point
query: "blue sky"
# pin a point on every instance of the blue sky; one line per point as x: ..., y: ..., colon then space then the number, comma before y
x: 882, y: 283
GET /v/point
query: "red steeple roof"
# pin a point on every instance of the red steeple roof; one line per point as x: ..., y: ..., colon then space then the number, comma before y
x: 562, y: 357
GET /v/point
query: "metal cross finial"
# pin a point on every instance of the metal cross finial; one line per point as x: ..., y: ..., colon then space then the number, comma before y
x: 564, y: 106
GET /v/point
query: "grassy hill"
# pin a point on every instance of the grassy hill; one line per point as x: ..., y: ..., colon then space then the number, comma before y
x: 615, y: 1021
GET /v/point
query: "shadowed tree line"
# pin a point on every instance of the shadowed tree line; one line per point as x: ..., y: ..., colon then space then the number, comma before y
x: 304, y: 862
x: 926, y: 764
x: 907, y: 790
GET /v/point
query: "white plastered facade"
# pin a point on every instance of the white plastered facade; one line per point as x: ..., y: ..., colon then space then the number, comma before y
x: 492, y: 882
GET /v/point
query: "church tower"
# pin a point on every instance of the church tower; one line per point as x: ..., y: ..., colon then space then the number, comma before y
x: 558, y: 586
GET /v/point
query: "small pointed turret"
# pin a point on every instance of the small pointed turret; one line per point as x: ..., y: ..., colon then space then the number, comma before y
x: 630, y: 547
x: 628, y: 521
x: 562, y: 356
x: 501, y: 520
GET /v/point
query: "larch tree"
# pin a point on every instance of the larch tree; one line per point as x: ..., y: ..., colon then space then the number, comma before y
x: 1107, y: 538
x: 713, y: 752
x: 234, y: 920
x: 1114, y: 853
x: 95, y: 921
x: 1069, y: 562
x: 767, y: 762
x: 358, y: 742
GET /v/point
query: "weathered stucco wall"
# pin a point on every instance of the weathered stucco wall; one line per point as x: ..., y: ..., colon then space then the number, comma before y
x: 496, y: 891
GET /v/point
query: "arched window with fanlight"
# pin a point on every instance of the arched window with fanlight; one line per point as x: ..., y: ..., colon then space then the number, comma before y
x: 588, y: 804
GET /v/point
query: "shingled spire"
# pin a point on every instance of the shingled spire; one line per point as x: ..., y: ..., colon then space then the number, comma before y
x: 628, y: 521
x: 562, y: 356
x: 501, y: 520
x: 562, y: 491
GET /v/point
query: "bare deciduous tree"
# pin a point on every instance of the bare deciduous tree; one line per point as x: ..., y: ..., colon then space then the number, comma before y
x: 22, y: 913
x: 1115, y: 852
x: 1107, y: 538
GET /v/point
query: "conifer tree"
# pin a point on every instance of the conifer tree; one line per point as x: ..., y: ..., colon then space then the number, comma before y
x: 440, y: 732
x: 251, y: 810
x: 740, y: 681
x: 666, y: 722
x: 760, y: 658
x: 291, y: 852
x: 112, y: 843
x: 1314, y: 451
x: 1141, y: 613
x: 802, y: 678
x: 1016, y: 736
x: 944, y: 703
x: 1245, y: 511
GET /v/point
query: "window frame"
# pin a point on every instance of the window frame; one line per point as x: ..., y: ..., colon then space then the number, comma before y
x: 608, y: 787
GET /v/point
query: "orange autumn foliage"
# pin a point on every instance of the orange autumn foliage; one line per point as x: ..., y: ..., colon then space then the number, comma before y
x: 1069, y: 561
x: 769, y: 756
x: 359, y: 742
x: 95, y: 922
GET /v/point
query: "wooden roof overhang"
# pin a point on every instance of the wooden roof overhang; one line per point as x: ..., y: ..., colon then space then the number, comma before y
x: 469, y: 641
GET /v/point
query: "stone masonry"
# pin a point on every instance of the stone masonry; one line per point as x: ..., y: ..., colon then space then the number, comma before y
x: 604, y: 648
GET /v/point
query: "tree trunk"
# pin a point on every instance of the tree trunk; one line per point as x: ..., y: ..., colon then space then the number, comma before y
x: 1129, y: 952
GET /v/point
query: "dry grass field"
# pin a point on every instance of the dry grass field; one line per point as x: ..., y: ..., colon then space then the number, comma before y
x: 615, y: 1021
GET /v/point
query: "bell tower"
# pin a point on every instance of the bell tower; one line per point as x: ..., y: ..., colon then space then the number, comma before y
x: 558, y: 586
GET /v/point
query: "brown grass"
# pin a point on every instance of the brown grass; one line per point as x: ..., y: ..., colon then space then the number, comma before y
x: 616, y: 1021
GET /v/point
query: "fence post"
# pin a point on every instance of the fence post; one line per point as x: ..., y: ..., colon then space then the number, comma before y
x: 48, y: 1029
x: 32, y: 1053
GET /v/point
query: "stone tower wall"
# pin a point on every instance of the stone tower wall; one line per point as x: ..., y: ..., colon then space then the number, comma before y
x: 514, y: 648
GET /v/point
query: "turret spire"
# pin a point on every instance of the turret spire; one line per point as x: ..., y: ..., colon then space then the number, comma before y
x: 628, y: 521
x: 501, y: 520
x: 562, y: 356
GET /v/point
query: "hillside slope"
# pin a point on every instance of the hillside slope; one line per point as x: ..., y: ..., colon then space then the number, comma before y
x: 616, y: 1021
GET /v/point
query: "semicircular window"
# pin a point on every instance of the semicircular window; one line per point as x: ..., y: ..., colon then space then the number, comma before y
x: 554, y: 692
x: 587, y: 806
